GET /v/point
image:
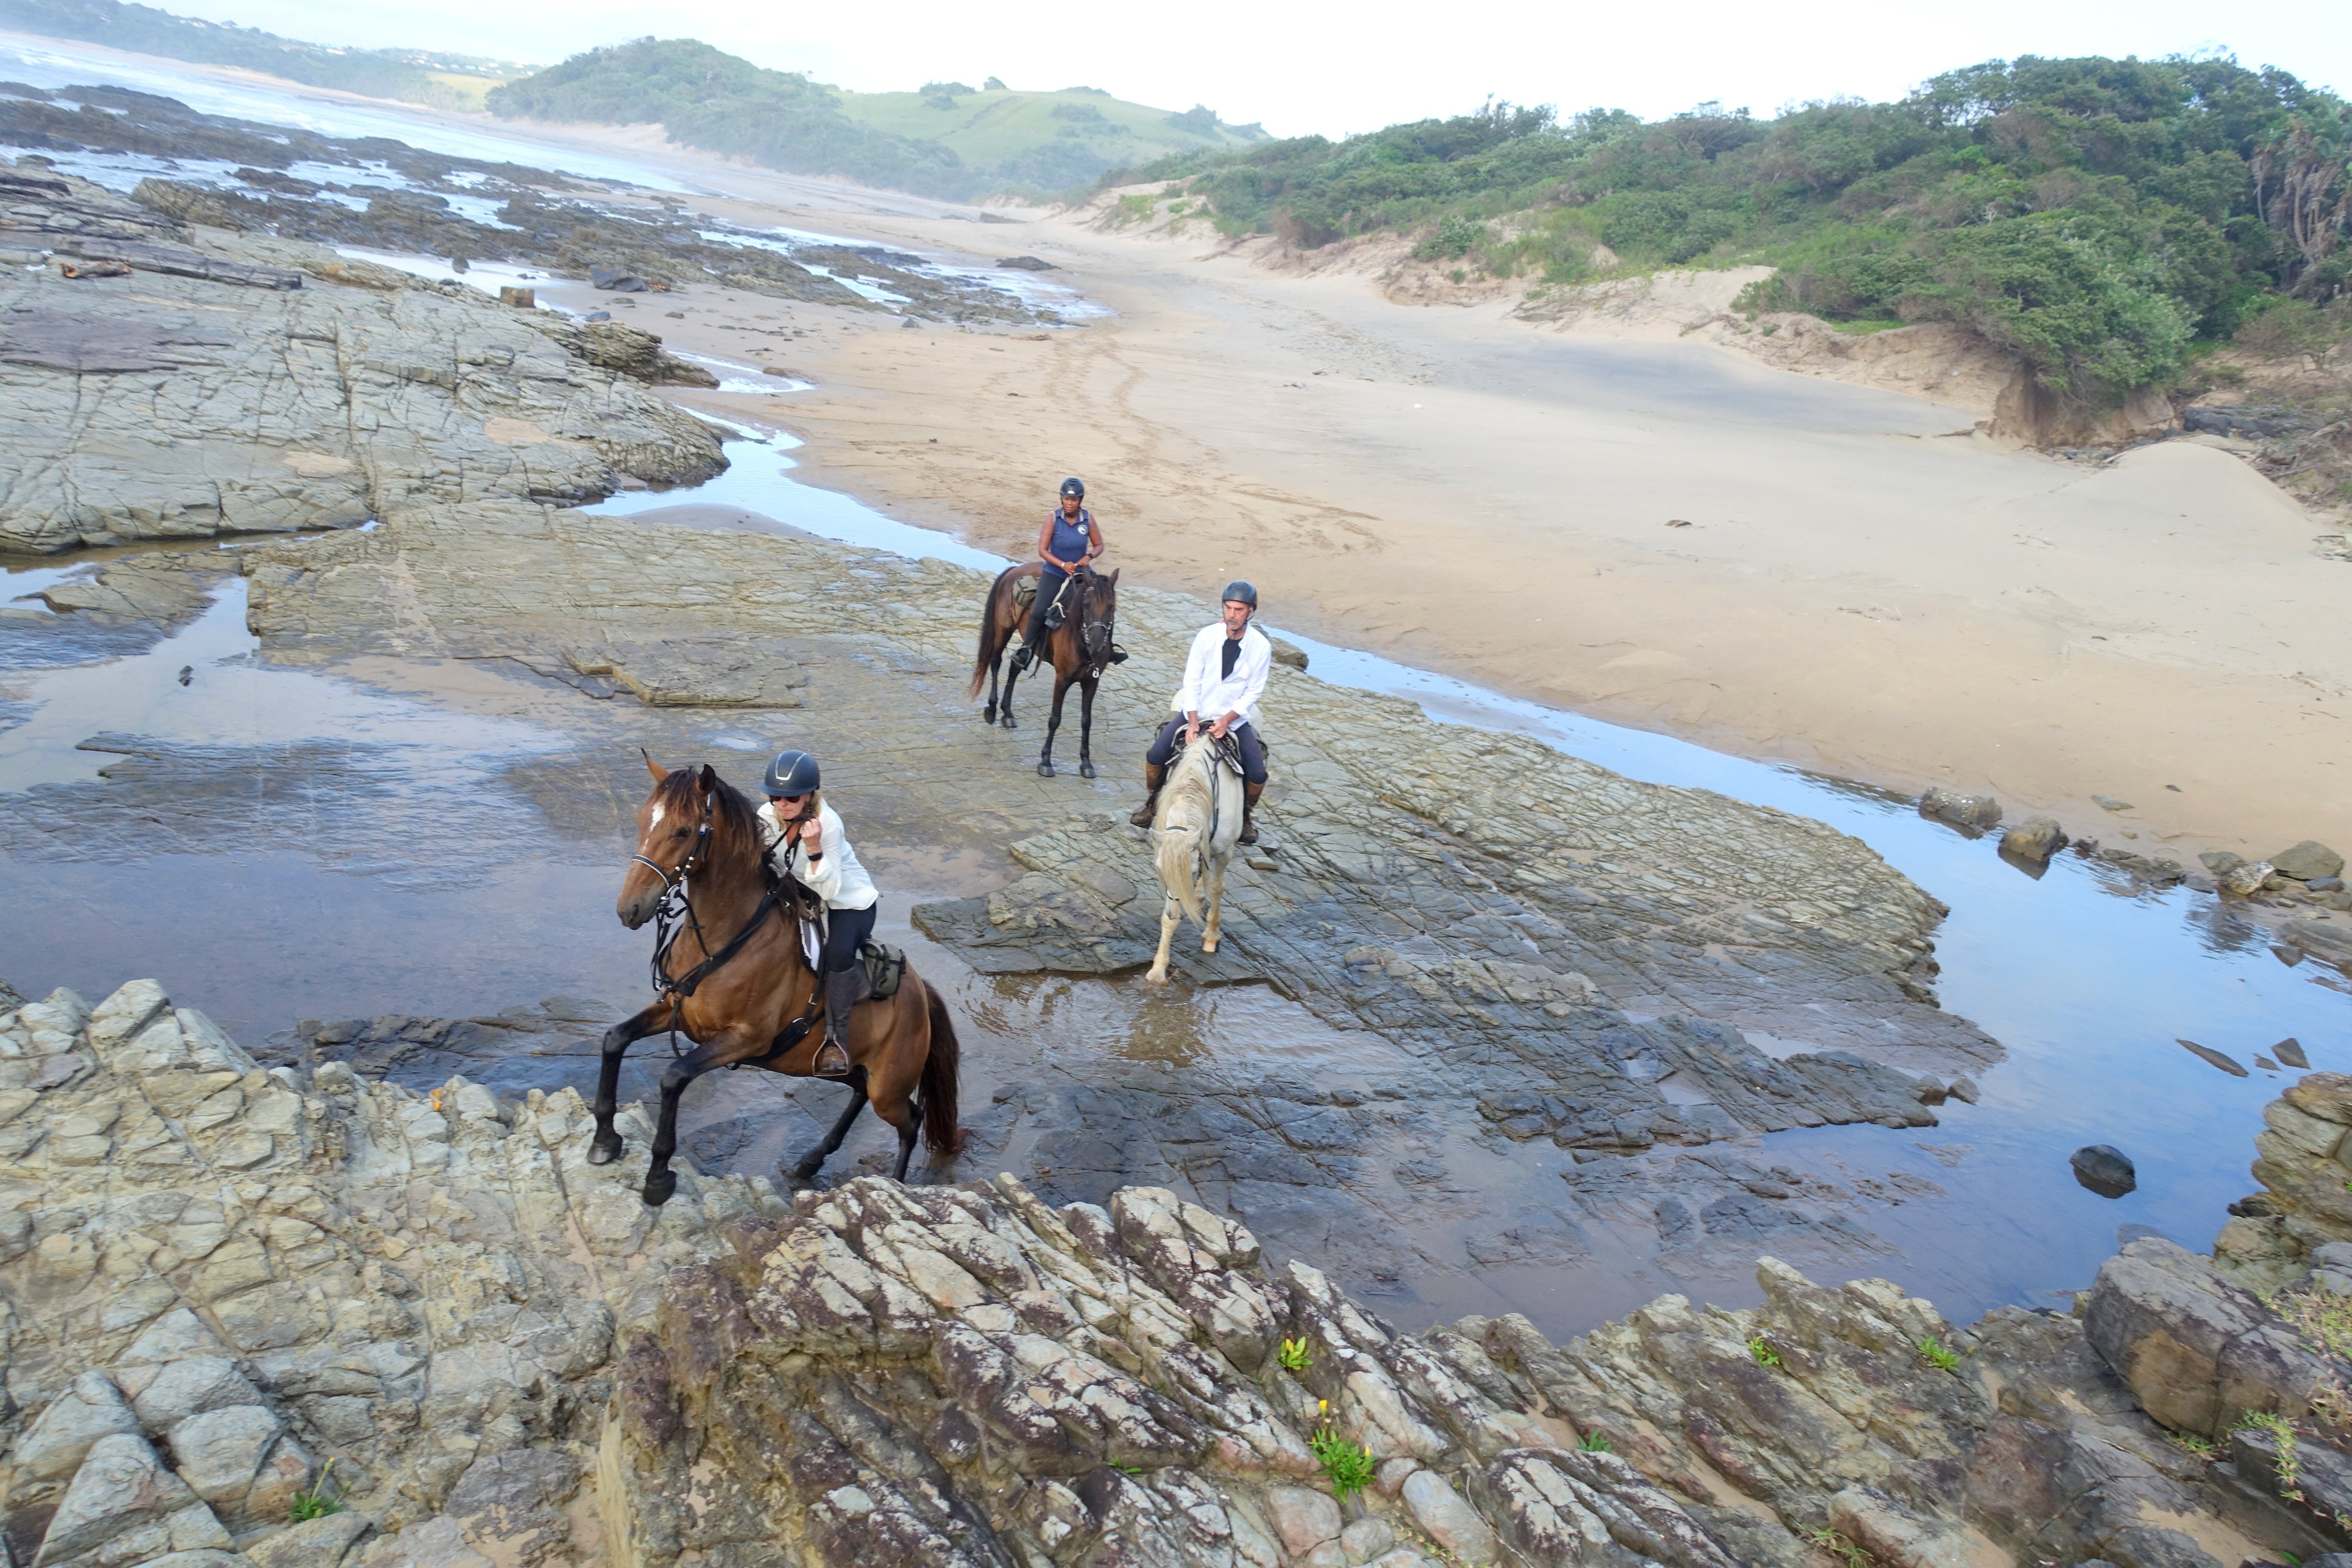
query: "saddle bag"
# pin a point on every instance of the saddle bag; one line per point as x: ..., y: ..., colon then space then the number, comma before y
x: 1025, y: 592
x: 886, y: 966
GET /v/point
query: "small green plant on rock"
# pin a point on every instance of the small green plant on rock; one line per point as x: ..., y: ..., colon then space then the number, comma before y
x: 2190, y: 1442
x: 1936, y: 1354
x: 1838, y: 1545
x: 316, y: 1503
x: 1348, y: 1463
x: 1764, y: 1353
x: 1594, y: 1443
x: 1295, y: 1354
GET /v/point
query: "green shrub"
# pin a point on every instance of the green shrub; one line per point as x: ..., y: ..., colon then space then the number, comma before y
x: 1349, y: 1464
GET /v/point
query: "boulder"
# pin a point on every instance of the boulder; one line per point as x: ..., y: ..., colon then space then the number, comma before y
x: 2246, y: 878
x: 2198, y: 1352
x: 1973, y: 811
x: 2307, y: 861
x: 2290, y: 1052
x: 123, y: 1507
x: 2104, y: 1169
x: 2034, y: 840
x: 320, y: 1543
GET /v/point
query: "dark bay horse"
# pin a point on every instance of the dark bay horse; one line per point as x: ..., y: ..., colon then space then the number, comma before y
x: 735, y: 982
x: 1080, y: 649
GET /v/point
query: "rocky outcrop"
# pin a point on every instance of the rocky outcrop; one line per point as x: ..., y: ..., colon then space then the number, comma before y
x: 2032, y: 415
x: 218, y: 1279
x: 2305, y: 1165
x: 230, y: 1292
x: 172, y: 405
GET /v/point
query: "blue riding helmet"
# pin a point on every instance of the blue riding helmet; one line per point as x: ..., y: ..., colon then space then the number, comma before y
x: 792, y: 774
x: 1075, y: 487
x: 1243, y: 592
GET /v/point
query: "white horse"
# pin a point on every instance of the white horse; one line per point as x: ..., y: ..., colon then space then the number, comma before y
x: 1195, y: 830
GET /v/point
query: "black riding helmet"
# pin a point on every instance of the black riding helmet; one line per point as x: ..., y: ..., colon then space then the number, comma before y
x: 791, y: 775
x: 1075, y: 487
x: 1243, y: 592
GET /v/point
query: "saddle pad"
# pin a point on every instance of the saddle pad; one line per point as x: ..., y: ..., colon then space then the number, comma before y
x: 885, y: 968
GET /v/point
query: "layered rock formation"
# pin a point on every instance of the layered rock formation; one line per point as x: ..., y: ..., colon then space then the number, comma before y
x: 231, y: 1292
x: 157, y: 404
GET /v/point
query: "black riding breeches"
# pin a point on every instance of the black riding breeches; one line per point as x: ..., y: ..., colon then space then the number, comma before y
x: 1244, y: 736
x: 846, y: 931
x: 1049, y: 583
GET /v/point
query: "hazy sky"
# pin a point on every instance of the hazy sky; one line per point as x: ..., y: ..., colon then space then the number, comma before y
x: 1337, y: 68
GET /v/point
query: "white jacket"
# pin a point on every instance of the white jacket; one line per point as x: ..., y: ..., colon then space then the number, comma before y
x: 1212, y: 694
x: 837, y: 878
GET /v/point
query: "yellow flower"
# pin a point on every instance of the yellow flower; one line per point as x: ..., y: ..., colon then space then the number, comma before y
x: 1323, y: 1405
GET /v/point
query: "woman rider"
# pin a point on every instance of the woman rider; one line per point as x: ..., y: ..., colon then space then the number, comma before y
x: 804, y: 839
x: 1067, y: 541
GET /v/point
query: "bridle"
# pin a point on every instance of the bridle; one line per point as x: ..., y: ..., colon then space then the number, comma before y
x: 677, y: 901
x: 1094, y: 637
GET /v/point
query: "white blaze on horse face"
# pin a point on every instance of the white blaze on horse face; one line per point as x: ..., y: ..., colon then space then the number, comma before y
x: 655, y: 821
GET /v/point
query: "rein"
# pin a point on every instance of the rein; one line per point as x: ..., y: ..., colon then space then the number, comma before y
x: 676, y: 901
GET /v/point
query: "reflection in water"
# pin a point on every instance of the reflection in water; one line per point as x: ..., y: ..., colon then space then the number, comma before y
x: 199, y: 687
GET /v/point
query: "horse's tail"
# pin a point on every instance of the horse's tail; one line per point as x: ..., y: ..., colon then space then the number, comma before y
x: 940, y: 1079
x: 987, y: 654
x: 1183, y: 833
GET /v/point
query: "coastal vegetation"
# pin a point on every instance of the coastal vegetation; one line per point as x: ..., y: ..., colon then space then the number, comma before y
x: 2104, y: 219
x: 412, y: 75
x: 946, y: 139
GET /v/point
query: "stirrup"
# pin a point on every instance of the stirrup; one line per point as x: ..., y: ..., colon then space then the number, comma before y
x: 1118, y: 654
x: 820, y: 1067
x: 1142, y: 815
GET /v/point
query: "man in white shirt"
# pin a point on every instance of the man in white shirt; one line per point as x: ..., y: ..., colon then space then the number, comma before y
x: 1223, y: 677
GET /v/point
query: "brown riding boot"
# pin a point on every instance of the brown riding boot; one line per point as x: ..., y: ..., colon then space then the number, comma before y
x: 1250, y: 791
x: 1154, y: 775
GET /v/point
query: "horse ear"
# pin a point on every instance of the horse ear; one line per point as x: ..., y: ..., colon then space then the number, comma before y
x: 1113, y: 578
x: 709, y: 778
x: 652, y: 766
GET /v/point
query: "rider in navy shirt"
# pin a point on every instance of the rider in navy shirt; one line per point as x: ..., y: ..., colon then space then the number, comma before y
x: 1068, y: 539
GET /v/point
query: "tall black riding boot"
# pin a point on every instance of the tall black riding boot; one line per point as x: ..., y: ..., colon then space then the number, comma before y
x: 1250, y: 791
x: 843, y: 989
x: 1154, y: 775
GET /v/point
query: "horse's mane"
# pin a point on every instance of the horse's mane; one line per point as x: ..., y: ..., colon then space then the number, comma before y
x: 734, y: 821
x: 1187, y: 804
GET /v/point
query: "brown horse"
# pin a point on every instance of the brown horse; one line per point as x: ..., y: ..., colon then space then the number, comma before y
x: 1081, y: 648
x: 735, y: 981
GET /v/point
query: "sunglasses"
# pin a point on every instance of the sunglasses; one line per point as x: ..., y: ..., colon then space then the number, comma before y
x: 787, y: 799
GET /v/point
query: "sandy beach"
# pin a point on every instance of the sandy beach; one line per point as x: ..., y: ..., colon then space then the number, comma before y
x: 1857, y: 584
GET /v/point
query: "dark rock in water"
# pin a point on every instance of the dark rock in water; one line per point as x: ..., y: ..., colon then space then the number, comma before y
x: 2034, y: 841
x: 616, y: 280
x: 2265, y: 1063
x: 1975, y: 811
x: 2105, y: 1170
x: 597, y: 316
x: 1964, y: 1089
x: 2228, y: 1064
x: 459, y: 264
x: 2307, y: 860
x: 1028, y: 264
x: 1287, y: 653
x: 2290, y: 1051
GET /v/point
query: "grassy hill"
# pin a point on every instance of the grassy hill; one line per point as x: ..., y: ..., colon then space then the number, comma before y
x: 2108, y: 220
x: 947, y: 140
x: 411, y: 76
x: 1042, y: 140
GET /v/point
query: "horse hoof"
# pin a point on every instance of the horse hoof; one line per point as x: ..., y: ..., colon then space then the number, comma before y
x: 1044, y: 769
x: 1085, y: 770
x: 605, y: 1149
x: 988, y: 715
x: 807, y: 1168
x: 1156, y: 977
x: 1010, y: 722
x: 1208, y: 944
x: 659, y: 1185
